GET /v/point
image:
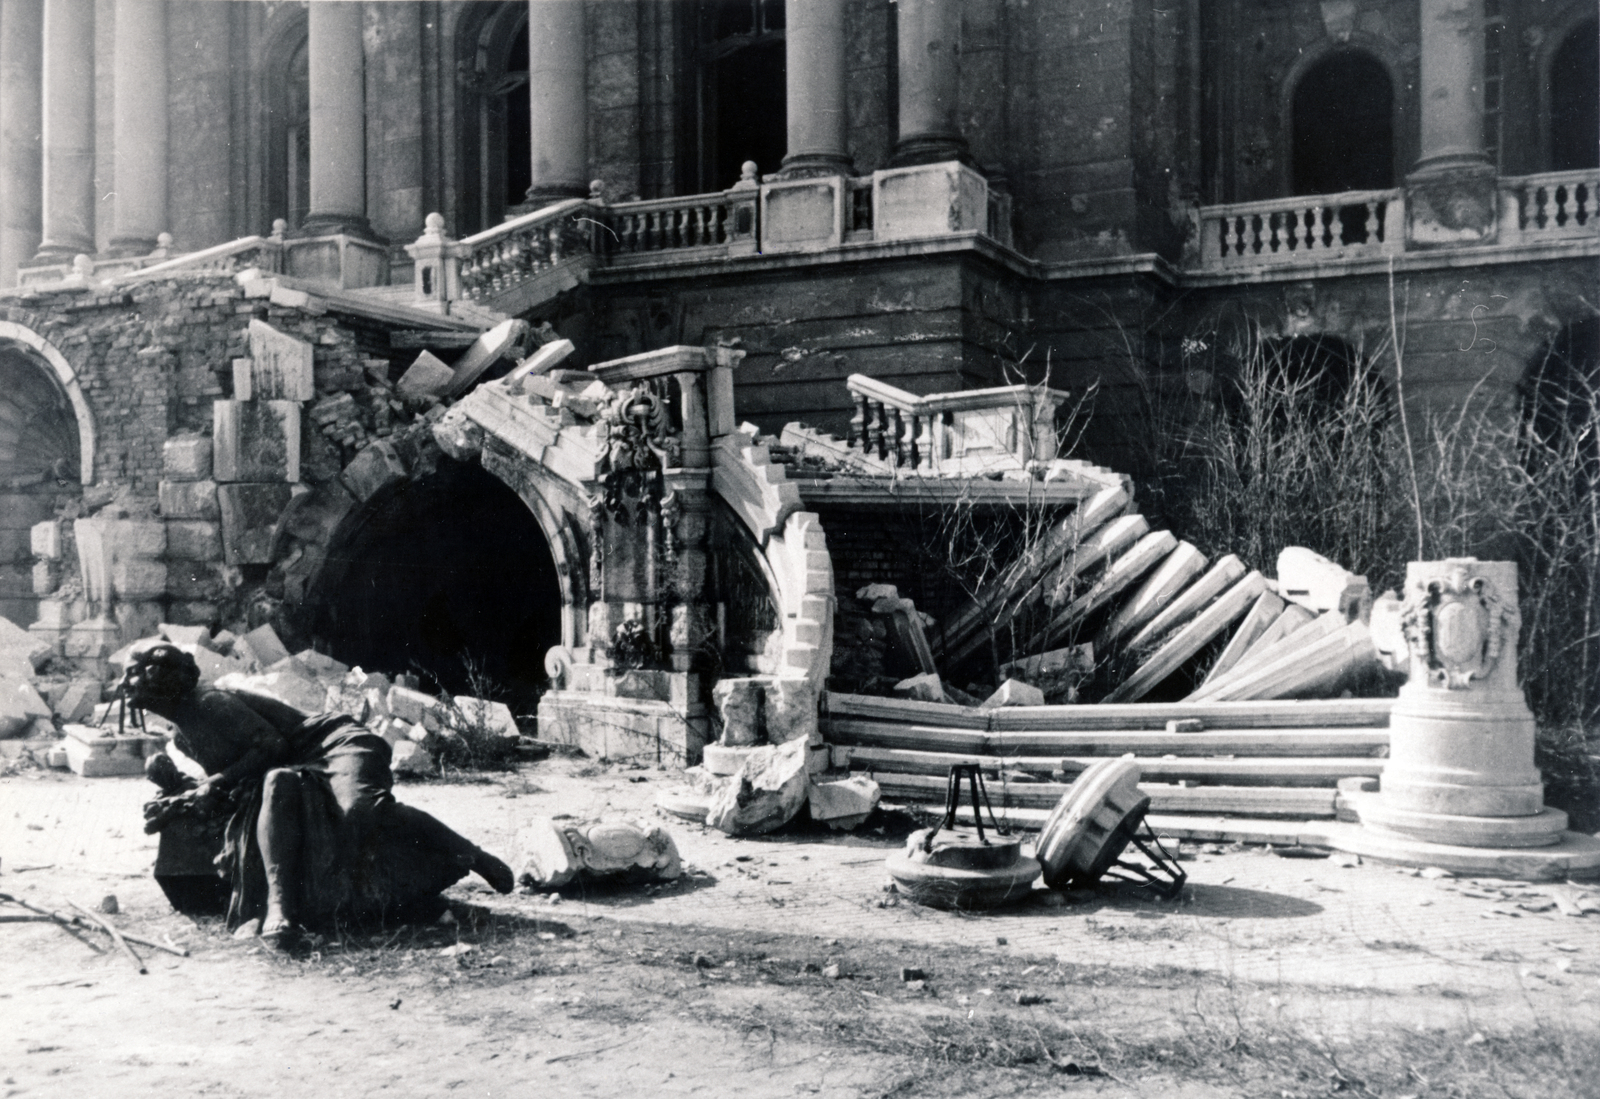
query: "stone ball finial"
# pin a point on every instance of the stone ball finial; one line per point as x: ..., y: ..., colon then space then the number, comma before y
x: 163, y: 241
x: 433, y: 223
x: 83, y: 266
x: 279, y: 228
x: 747, y: 172
x: 597, y: 190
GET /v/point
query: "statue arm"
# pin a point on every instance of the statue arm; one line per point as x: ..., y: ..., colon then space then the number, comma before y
x: 255, y: 744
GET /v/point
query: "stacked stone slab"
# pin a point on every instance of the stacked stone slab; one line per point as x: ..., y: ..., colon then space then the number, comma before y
x: 188, y: 499
x: 256, y: 439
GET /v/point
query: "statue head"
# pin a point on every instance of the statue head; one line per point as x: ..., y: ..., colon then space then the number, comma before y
x: 163, y: 673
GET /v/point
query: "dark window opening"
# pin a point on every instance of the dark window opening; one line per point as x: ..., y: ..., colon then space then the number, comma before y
x: 297, y: 140
x: 1575, y: 101
x: 287, y: 93
x: 742, y: 95
x: 518, y: 120
x: 1343, y: 127
x: 495, y: 145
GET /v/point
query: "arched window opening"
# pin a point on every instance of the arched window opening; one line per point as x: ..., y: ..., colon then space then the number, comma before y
x: 496, y: 154
x: 741, y: 90
x: 1575, y: 100
x: 1343, y: 126
x: 288, y: 154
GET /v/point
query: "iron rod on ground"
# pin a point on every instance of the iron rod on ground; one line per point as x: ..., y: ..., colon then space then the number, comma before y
x: 77, y: 922
x: 111, y: 929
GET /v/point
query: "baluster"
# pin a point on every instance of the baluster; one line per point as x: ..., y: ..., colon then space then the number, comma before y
x: 1563, y: 197
x: 897, y: 436
x: 919, y: 441
x: 875, y: 429
x: 1274, y: 244
x: 858, y: 422
x: 1369, y: 224
x: 1582, y: 198
x: 680, y: 222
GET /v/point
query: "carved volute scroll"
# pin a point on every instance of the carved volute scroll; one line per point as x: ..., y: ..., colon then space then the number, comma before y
x: 1459, y: 624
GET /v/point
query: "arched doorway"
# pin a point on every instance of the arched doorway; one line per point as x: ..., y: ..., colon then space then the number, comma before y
x: 1575, y: 100
x: 1342, y: 127
x: 448, y: 576
x: 740, y: 91
x: 40, y: 459
x: 496, y: 151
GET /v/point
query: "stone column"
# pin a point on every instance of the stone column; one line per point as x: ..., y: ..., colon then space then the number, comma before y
x: 1452, y: 84
x: 1450, y: 194
x: 558, y: 97
x: 338, y: 121
x: 67, y: 107
x: 930, y: 81
x: 21, y: 36
x: 139, y: 72
x: 815, y: 81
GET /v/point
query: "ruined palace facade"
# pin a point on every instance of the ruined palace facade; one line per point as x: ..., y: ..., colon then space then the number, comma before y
x: 944, y: 194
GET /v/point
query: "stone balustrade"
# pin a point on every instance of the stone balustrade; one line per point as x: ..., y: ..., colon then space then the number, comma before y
x: 1305, y: 228
x: 962, y: 433
x: 1551, y: 206
x: 500, y: 259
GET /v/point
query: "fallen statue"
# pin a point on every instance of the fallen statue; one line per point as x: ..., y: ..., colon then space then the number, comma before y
x: 313, y: 833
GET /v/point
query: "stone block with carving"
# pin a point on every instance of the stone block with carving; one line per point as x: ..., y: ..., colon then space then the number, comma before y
x: 554, y: 854
x: 280, y: 365
x: 256, y: 441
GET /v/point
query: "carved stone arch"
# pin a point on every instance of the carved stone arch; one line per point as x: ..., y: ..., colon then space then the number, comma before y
x: 1327, y: 50
x: 66, y: 379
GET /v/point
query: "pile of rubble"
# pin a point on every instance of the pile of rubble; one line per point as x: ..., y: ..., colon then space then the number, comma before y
x: 768, y: 763
x: 70, y: 726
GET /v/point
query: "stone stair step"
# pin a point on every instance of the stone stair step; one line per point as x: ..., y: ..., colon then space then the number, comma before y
x: 1248, y: 801
x: 1315, y: 741
x: 1288, y: 772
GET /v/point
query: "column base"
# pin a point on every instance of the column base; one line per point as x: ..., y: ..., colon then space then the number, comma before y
x: 1571, y: 855
x: 809, y: 165
x: 345, y: 260
x: 1451, y: 200
x: 1539, y: 830
x: 130, y: 247
x: 326, y: 225
x: 541, y: 196
x: 931, y: 149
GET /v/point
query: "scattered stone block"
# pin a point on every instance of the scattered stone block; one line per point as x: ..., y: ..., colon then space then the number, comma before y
x: 1056, y: 673
x: 493, y: 716
x: 186, y: 458
x: 1014, y: 692
x: 407, y: 757
x: 378, y: 466
x: 409, y: 704
x: 723, y: 759
x: 321, y: 664
x: 280, y: 365
x: 428, y: 376
x: 767, y: 792
x: 553, y: 855
x: 256, y: 441
x: 250, y: 514
x: 845, y: 804
x: 46, y: 577
x: 188, y: 500
x: 485, y: 351
x: 44, y: 539
x: 78, y: 700
x: 264, y: 645
x: 20, y: 706
x: 926, y: 687
x: 1316, y: 583
x: 18, y: 645
x: 542, y: 361
x: 305, y: 695
x: 185, y: 635
x: 874, y: 592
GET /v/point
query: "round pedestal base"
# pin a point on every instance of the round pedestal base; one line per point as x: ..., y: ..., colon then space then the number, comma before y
x: 1572, y: 855
x: 1540, y: 830
x: 961, y: 871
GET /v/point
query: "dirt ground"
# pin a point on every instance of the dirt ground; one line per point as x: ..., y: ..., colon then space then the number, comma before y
x: 1271, y: 976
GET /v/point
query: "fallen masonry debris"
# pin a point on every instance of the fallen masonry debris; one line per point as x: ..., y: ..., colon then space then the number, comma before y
x: 556, y: 853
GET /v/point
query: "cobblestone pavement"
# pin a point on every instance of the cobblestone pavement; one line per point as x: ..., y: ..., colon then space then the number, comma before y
x: 1247, y: 914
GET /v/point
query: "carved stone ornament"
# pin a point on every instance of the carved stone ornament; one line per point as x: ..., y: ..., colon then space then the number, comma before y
x: 639, y: 432
x: 671, y: 512
x: 1458, y: 624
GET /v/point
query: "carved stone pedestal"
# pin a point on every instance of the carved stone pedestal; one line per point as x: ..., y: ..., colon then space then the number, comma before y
x: 1460, y: 786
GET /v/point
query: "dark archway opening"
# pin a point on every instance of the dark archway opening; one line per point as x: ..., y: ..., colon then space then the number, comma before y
x: 518, y: 122
x: 1343, y: 126
x: 448, y: 576
x: 1575, y: 100
x: 742, y: 93
x: 39, y: 461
